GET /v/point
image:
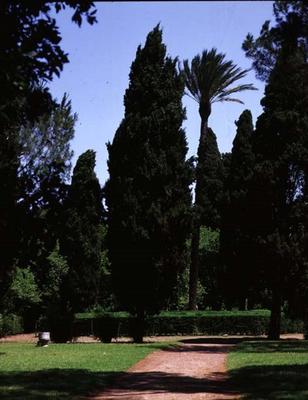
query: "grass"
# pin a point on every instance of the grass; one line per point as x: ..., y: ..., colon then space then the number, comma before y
x: 270, y: 370
x: 63, y: 371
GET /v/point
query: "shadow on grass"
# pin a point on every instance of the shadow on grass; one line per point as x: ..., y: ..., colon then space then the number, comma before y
x: 279, y: 382
x: 221, y: 340
x: 282, y: 346
x: 73, y: 384
x: 60, y: 384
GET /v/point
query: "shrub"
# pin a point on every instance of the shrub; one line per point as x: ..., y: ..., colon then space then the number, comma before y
x: 108, y: 325
x: 10, y: 324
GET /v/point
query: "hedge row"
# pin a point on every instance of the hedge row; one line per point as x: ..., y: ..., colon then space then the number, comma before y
x: 10, y: 324
x: 199, y: 323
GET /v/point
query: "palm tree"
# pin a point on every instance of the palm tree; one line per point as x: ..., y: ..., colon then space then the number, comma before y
x: 209, y: 79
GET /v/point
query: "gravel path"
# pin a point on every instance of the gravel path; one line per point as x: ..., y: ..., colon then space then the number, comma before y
x: 195, y: 370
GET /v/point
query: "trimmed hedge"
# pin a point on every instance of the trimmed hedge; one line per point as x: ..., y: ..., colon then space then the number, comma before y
x: 109, y: 325
x: 10, y: 324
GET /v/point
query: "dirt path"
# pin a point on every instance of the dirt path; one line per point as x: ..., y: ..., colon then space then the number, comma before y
x: 195, y: 370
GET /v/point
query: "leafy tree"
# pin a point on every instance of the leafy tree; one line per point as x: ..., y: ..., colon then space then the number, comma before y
x: 291, y: 27
x: 44, y: 170
x: 81, y: 239
x: 23, y: 291
x: 30, y: 53
x: 236, y: 244
x: 209, y: 79
x: 147, y: 194
x: 23, y: 297
x: 54, y: 275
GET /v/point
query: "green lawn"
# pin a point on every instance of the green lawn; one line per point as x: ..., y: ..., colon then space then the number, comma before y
x: 270, y: 370
x: 63, y: 371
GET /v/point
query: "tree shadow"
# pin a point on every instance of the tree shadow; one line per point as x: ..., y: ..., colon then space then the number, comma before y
x: 279, y: 382
x: 282, y: 346
x: 222, y: 340
x: 65, y: 384
x: 60, y: 384
x: 154, y: 382
x: 212, y: 349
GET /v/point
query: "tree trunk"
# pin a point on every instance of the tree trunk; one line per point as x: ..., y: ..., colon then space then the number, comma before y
x: 139, y: 326
x: 195, y: 239
x: 194, y: 266
x: 275, y: 321
x: 305, y: 318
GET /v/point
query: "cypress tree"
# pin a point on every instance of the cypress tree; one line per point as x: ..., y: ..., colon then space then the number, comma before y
x: 280, y: 142
x: 281, y: 145
x: 81, y: 239
x: 210, y: 174
x: 208, y: 196
x: 235, y: 238
x: 147, y: 194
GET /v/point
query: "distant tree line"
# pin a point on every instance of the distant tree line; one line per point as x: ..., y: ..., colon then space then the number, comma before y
x: 144, y: 242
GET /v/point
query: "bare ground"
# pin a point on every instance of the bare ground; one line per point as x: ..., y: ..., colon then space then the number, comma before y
x: 195, y: 370
x: 32, y: 338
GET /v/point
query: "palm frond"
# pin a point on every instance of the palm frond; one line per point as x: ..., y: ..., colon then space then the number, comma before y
x: 209, y: 76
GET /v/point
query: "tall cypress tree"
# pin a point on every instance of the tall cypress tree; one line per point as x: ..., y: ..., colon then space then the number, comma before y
x: 210, y: 174
x: 148, y: 195
x: 208, y: 197
x: 281, y: 147
x: 81, y: 239
x: 235, y: 238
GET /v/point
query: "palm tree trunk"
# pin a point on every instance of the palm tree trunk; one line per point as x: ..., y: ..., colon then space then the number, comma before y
x: 195, y: 239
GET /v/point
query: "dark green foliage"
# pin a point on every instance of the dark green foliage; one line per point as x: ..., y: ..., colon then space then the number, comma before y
x: 209, y: 79
x: 236, y: 241
x: 8, y: 208
x: 208, y: 199
x: 54, y: 274
x: 290, y: 30
x: 10, y: 324
x: 45, y: 165
x: 226, y: 162
x: 147, y: 195
x: 23, y: 292
x: 112, y: 325
x: 211, y: 277
x: 209, y: 173
x: 81, y: 237
x: 281, y: 146
x: 30, y: 54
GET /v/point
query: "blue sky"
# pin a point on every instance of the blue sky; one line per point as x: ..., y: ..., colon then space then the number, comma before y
x: 101, y: 55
